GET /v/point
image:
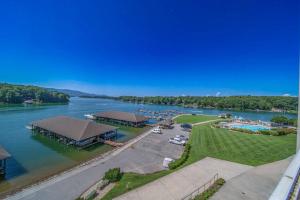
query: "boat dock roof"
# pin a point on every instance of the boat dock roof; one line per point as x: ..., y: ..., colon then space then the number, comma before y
x: 123, y: 116
x: 4, y: 154
x: 75, y: 129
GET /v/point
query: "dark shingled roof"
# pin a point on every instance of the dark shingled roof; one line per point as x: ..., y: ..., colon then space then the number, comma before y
x: 123, y: 116
x: 75, y: 129
x: 3, y: 153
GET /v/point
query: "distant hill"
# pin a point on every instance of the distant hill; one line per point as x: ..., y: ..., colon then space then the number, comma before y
x: 71, y: 93
x: 15, y: 94
x: 76, y: 93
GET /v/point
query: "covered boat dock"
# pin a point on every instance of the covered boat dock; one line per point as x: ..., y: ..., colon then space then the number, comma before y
x: 70, y: 131
x: 124, y: 118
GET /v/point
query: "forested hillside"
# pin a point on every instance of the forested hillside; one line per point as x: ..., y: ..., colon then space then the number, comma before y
x: 264, y: 103
x: 14, y: 94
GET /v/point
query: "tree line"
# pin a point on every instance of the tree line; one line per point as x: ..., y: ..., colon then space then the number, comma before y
x: 241, y: 103
x: 283, y: 120
x: 15, y: 94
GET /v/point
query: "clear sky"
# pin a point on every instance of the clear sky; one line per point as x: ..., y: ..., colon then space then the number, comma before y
x: 155, y: 47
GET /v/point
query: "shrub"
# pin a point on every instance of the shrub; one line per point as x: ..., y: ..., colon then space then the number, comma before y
x: 265, y: 132
x: 243, y: 130
x: 185, y: 155
x: 113, y: 175
x: 286, y: 131
x: 274, y: 133
x: 211, y: 190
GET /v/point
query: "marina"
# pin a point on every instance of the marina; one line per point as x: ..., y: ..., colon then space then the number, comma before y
x: 51, y: 158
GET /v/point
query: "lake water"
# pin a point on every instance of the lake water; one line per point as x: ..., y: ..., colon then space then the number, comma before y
x: 32, y: 160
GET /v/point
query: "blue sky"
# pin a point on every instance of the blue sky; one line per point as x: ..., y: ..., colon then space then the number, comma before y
x: 157, y: 47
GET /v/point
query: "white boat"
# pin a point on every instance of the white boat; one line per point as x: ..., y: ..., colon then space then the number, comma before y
x: 28, y: 127
x: 89, y: 116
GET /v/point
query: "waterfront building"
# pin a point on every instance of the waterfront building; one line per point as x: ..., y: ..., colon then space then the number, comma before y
x: 70, y: 131
x: 124, y: 118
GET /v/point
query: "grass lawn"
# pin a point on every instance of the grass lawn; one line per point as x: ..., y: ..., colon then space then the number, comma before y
x: 191, y: 119
x: 219, y: 143
x: 239, y: 147
x: 130, y: 181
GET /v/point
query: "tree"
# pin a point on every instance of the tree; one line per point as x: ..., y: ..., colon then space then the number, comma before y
x: 280, y: 120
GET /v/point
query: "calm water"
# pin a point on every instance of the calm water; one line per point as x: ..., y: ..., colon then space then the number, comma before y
x: 31, y: 159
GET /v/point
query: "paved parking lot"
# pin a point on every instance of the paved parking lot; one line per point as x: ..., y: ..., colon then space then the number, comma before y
x: 147, y: 155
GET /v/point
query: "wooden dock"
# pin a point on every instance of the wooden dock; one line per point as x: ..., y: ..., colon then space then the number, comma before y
x: 112, y: 143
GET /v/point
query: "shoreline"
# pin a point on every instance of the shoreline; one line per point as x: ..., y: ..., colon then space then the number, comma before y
x: 213, y: 108
x: 51, y: 179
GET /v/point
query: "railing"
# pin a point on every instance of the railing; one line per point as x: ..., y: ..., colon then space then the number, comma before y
x: 286, y: 188
x: 202, y: 188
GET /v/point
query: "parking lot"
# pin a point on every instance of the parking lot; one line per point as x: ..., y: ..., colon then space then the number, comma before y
x: 147, y: 155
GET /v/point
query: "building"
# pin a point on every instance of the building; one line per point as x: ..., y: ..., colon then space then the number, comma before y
x: 80, y: 133
x: 4, y: 155
x: 124, y: 118
x: 166, y: 124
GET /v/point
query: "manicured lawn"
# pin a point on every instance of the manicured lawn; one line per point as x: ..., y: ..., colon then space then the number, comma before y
x: 130, y: 181
x: 239, y: 147
x: 191, y: 119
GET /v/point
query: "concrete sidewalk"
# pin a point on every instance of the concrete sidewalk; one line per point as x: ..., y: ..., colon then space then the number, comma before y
x: 184, y: 181
x: 255, y: 184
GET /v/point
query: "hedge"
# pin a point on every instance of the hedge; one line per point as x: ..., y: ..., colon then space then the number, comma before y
x: 182, y: 159
x: 113, y: 175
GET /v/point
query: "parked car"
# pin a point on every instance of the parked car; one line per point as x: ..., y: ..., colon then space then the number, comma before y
x: 176, y: 141
x: 166, y: 162
x: 156, y: 130
x: 182, y: 137
x: 186, y: 126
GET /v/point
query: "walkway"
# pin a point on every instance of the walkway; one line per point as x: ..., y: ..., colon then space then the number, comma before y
x: 184, y: 181
x: 255, y: 184
x: 206, y: 122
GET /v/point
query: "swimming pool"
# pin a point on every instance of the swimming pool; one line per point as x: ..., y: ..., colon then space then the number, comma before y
x: 254, y: 128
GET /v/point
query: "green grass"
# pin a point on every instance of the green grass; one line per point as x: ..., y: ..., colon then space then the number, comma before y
x: 130, y: 181
x: 239, y: 147
x: 191, y: 119
x: 211, y: 190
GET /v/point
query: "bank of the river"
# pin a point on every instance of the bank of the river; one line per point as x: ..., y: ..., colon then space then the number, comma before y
x: 36, y: 158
